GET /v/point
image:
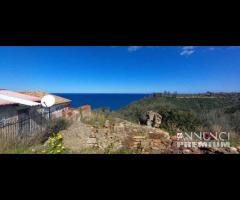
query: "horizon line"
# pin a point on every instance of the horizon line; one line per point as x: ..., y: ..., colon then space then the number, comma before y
x: 143, y: 92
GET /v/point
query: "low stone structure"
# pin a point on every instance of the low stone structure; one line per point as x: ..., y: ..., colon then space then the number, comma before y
x: 118, y: 134
x: 123, y: 135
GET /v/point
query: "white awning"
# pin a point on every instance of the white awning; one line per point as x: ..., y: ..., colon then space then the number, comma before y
x: 18, y: 100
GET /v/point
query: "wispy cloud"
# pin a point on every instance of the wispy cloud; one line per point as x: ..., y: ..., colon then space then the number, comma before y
x: 134, y: 48
x: 187, y: 50
x: 212, y: 48
x: 184, y: 50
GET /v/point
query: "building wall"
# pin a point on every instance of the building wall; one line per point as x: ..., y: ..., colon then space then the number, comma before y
x: 57, y: 110
x: 14, y: 123
x: 32, y: 121
x: 9, y: 114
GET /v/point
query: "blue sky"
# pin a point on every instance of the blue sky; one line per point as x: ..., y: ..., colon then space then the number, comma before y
x: 120, y: 69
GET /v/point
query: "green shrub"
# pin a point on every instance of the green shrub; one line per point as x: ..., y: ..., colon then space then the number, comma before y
x: 55, y: 145
x: 58, y: 125
x: 189, y: 112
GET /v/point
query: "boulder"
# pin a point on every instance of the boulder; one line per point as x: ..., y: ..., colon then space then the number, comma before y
x: 233, y: 150
x: 238, y: 148
x: 151, y: 119
x: 187, y: 151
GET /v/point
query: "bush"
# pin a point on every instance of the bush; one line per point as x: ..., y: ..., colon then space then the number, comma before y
x: 188, y: 113
x: 55, y: 145
x: 58, y: 125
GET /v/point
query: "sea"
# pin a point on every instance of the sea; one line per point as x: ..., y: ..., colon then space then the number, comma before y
x: 110, y: 101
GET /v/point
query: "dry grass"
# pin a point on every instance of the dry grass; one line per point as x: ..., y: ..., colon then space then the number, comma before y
x: 24, y: 143
x: 234, y: 139
x: 19, y: 144
x: 96, y: 119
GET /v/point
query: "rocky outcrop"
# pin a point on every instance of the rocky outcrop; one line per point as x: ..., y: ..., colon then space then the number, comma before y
x: 151, y: 119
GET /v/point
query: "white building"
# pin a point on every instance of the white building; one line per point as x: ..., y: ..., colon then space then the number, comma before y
x: 30, y: 114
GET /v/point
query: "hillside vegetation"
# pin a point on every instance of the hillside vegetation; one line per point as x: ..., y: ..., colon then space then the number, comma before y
x: 209, y: 112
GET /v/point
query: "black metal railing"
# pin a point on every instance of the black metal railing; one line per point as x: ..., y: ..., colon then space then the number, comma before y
x: 25, y: 127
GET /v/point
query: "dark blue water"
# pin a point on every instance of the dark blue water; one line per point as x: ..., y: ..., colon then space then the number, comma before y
x: 111, y: 101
